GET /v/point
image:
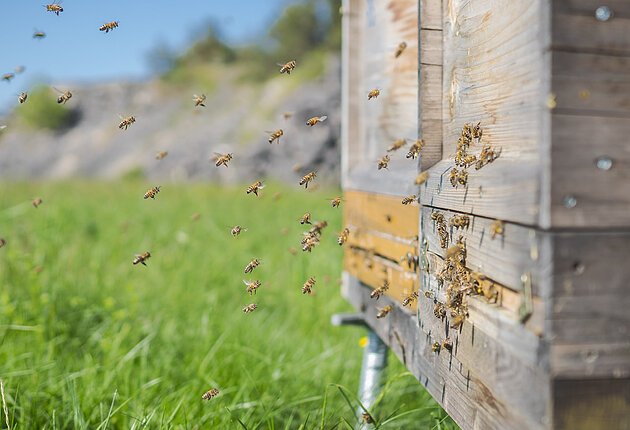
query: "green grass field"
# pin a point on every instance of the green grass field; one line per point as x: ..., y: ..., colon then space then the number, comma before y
x: 90, y: 341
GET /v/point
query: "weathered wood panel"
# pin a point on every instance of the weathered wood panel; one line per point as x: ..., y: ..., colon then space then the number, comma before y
x: 609, y: 37
x: 482, y: 384
x: 590, y: 405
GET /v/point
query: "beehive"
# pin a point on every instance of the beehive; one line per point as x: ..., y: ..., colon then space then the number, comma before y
x: 549, y: 83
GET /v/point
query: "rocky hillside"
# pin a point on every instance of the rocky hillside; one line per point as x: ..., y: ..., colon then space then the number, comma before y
x: 234, y: 120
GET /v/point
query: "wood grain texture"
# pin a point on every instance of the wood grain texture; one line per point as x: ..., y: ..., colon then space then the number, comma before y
x: 610, y: 37
x: 620, y: 8
x: 601, y: 404
x: 481, y: 384
x: 589, y: 318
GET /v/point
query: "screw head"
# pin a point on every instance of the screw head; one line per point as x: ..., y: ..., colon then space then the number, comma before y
x: 604, y: 163
x: 603, y: 13
x: 569, y: 202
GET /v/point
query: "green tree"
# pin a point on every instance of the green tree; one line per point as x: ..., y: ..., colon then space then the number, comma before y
x: 298, y: 30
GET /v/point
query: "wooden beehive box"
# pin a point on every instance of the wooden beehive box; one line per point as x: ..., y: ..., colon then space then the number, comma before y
x: 549, y: 83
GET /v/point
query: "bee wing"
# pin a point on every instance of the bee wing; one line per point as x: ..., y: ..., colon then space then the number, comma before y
x: 279, y: 64
x: 323, y: 118
x: 58, y: 90
x: 2, y: 127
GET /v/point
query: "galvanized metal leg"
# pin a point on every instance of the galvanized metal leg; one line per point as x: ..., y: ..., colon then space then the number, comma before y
x: 374, y: 363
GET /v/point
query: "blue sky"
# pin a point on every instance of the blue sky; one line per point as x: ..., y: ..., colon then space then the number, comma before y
x: 74, y: 50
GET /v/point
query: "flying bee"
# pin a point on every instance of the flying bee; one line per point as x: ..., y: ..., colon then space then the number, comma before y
x: 367, y: 418
x: 336, y: 202
x: 383, y: 162
x: 2, y: 242
x: 255, y: 187
x: 382, y: 313
x: 250, y: 308
x: 314, y: 120
x: 252, y: 286
x: 54, y: 8
x: 109, y: 26
x: 38, y: 34
x: 309, y: 243
x: 22, y: 97
x: 252, y: 265
x: 343, y: 236
x: 407, y: 301
x: 374, y: 93
x: 378, y: 292
x: 36, y: 202
x: 221, y: 159
x: 308, y: 286
x: 152, y: 192
x: 287, y: 115
x: 199, y: 100
x: 318, y: 227
x: 210, y: 394
x: 275, y: 135
x: 397, y: 145
x: 496, y: 228
x: 287, y: 67
x: 439, y: 310
x: 306, y: 218
x: 142, y: 258
x: 415, y: 149
x: 435, y: 347
x: 421, y: 178
x: 447, y: 344
x: 409, y: 199
x: 307, y: 178
x: 8, y: 76
x: 126, y: 122
x: 161, y: 155
x: 401, y: 47
x: 237, y: 229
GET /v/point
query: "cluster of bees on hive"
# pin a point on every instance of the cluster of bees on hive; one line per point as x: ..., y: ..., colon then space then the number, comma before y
x: 311, y: 238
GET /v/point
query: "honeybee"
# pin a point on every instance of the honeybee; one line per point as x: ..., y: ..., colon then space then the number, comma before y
x: 383, y: 162
x: 152, y: 192
x: 22, y: 97
x: 496, y: 228
x: 287, y: 115
x: 2, y: 242
x: 64, y: 96
x: 401, y: 47
x: 308, y: 286
x: 250, y: 308
x: 252, y: 265
x: 36, y: 202
x: 452, y: 176
x: 275, y: 135
x: 382, y: 313
x: 439, y: 310
x: 8, y: 76
x: 309, y: 242
x: 397, y: 145
x: 38, y: 34
x: 306, y: 218
x: 252, y: 286
x: 255, y: 187
x: 210, y: 394
x: 409, y: 199
x: 161, y: 155
x: 314, y: 120
x: 421, y: 178
x: 318, y: 227
x: 126, y: 122
x: 367, y: 418
x: 142, y: 258
x: 221, y: 159
x: 415, y: 149
x: 407, y: 301
x: 54, y: 8
x: 336, y: 202
x: 109, y: 26
x: 374, y: 93
x: 343, y: 236
x: 457, y: 321
x: 378, y: 292
x: 237, y: 229
x: 199, y: 100
x: 462, y: 179
x: 287, y: 67
x: 435, y: 347
x: 307, y: 178
x: 460, y: 221
x: 447, y: 344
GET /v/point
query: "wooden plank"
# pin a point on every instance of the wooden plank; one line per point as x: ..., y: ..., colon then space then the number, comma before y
x: 609, y: 37
x: 602, y: 404
x: 431, y: 114
x: 381, y: 213
x: 481, y: 384
x: 431, y: 47
x: 600, y: 200
x: 431, y: 13
x: 620, y: 8
x: 385, y: 246
x: 373, y: 270
x: 589, y: 318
